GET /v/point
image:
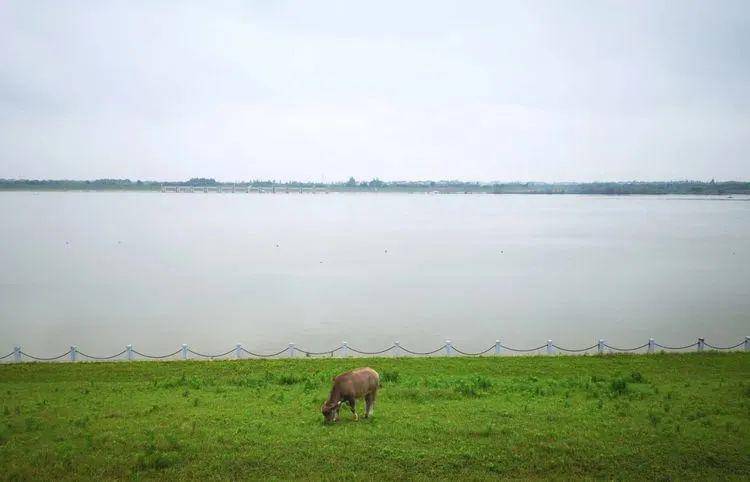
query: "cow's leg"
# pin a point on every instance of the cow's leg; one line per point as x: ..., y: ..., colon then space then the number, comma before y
x: 370, y: 403
x: 351, y: 401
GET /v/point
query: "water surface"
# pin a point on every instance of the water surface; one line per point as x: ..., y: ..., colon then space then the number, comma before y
x: 100, y: 270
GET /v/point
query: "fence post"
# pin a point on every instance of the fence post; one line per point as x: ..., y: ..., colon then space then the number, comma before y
x: 184, y: 351
x: 497, y: 347
x: 345, y: 349
x: 747, y: 343
x: 549, y: 347
x: 291, y: 350
x: 650, y: 345
x: 129, y: 351
x: 17, y: 352
x: 238, y: 351
x: 448, y: 348
x: 701, y: 342
x: 600, y: 346
x: 73, y: 352
x: 397, y: 351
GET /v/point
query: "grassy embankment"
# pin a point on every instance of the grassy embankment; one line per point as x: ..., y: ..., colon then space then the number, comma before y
x: 660, y: 416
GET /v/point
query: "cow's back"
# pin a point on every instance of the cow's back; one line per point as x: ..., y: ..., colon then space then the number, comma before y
x: 359, y: 382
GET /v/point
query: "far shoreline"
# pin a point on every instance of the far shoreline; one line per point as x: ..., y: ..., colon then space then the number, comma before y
x: 203, y: 185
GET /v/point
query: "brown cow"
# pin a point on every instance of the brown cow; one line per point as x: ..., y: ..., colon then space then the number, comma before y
x: 349, y: 386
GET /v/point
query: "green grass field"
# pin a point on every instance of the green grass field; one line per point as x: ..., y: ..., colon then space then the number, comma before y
x: 633, y: 417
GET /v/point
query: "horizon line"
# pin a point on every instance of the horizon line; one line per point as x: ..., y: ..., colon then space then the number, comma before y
x: 376, y: 179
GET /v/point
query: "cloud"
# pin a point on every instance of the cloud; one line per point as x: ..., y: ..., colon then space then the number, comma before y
x: 487, y: 90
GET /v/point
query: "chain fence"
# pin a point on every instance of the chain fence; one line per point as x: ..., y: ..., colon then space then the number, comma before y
x: 725, y: 347
x: 157, y: 357
x: 478, y: 353
x: 447, y: 349
x: 41, y: 358
x: 677, y: 347
x: 92, y: 357
x: 576, y: 350
x: 522, y: 350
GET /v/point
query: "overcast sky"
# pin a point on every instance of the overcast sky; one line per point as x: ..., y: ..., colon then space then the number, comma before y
x: 527, y: 90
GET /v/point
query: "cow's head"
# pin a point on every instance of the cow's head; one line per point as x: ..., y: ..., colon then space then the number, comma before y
x: 331, y: 410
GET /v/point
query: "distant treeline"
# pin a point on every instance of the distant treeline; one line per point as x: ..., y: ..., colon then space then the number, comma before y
x: 612, y: 188
x: 622, y: 188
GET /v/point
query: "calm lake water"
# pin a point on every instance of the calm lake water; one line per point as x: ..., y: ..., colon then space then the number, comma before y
x: 101, y: 270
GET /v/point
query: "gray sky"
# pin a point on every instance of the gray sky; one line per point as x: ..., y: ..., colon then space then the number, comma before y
x: 527, y: 90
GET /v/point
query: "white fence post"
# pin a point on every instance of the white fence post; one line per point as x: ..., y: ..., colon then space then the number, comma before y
x: 129, y: 351
x: 73, y: 352
x: 701, y: 343
x: 448, y: 348
x: 549, y: 347
x: 184, y: 351
x: 497, y: 347
x: 650, y: 345
x: 17, y: 353
x: 397, y: 351
x: 345, y: 349
x: 600, y: 346
x: 238, y: 351
x: 291, y: 350
x: 747, y: 343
